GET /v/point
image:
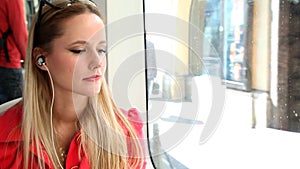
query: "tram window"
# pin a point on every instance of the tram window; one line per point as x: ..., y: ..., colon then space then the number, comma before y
x: 187, y: 63
x: 243, y: 50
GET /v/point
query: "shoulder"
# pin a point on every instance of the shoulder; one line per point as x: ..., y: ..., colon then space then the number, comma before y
x: 134, y: 117
x: 10, y: 136
x: 10, y: 124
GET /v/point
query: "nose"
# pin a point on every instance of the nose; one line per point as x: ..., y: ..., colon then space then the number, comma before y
x: 97, y: 60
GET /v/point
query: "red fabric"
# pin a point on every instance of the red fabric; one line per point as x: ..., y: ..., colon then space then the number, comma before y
x: 12, y: 15
x: 11, y: 156
x: 136, y: 121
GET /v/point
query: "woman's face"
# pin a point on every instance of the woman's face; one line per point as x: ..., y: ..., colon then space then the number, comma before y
x: 77, y: 60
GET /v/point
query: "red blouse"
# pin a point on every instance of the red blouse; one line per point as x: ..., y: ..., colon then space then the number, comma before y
x: 10, y: 139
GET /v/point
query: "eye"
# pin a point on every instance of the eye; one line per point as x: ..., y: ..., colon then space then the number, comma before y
x: 77, y: 51
x: 101, y: 51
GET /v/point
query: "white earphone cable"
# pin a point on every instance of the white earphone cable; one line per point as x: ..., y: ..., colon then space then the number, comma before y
x: 51, y: 116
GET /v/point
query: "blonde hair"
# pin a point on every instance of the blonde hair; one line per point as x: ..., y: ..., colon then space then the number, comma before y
x: 103, y: 138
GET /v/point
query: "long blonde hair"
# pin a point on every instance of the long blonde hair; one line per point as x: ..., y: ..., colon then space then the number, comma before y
x: 107, y: 148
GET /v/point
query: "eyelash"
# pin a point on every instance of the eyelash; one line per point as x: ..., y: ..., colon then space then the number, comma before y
x: 80, y: 51
x: 77, y: 51
x: 102, y: 51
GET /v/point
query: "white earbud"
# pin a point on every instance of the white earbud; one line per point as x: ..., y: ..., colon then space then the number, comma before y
x: 41, y: 61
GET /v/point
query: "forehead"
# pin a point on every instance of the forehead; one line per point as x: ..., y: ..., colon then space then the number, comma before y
x: 87, y: 26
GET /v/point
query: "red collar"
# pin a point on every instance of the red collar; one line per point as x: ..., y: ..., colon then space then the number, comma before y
x: 10, y: 131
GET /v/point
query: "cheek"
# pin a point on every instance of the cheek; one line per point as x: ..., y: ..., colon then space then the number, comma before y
x: 69, y: 66
x: 103, y: 65
x: 80, y: 68
x: 64, y: 69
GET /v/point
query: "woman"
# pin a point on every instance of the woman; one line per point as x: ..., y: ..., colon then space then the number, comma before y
x: 67, y: 118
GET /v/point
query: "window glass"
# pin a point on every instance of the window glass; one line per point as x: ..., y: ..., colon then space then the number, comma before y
x: 183, y: 43
x: 227, y: 75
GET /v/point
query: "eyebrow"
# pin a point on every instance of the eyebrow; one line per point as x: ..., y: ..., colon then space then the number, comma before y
x: 82, y: 42
x: 79, y: 42
x: 102, y: 43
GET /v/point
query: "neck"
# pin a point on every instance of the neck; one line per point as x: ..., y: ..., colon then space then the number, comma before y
x: 68, y: 107
x: 66, y: 110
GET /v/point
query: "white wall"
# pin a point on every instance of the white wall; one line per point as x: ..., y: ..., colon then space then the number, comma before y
x: 126, y: 75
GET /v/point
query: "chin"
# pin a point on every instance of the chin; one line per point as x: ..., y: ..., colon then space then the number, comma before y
x: 93, y: 91
x: 88, y: 92
x: 87, y: 89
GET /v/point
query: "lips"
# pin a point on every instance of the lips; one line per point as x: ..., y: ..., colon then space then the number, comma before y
x: 93, y: 78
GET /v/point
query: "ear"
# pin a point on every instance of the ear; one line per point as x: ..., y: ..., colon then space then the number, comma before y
x: 37, y: 53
